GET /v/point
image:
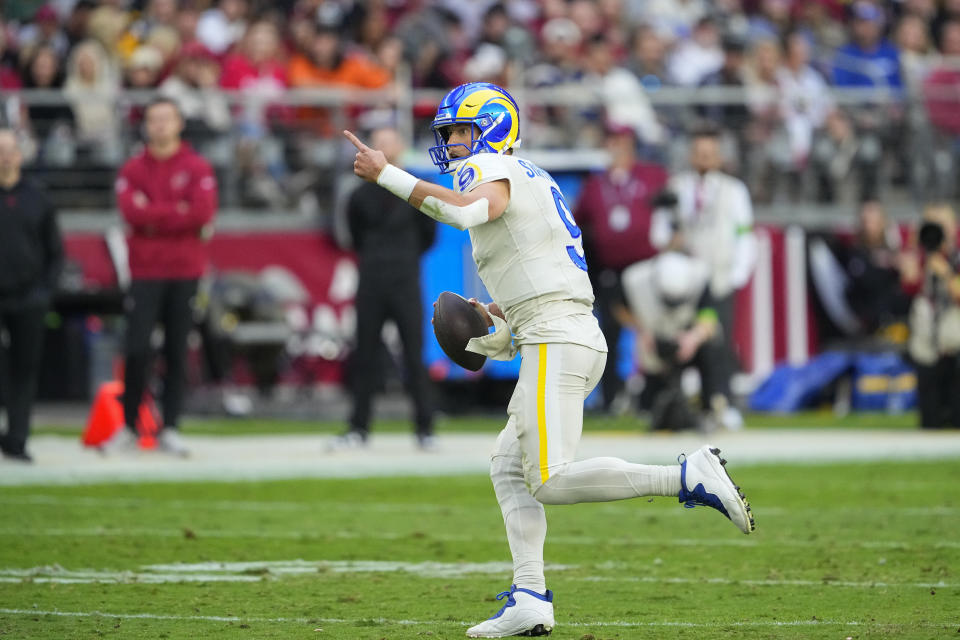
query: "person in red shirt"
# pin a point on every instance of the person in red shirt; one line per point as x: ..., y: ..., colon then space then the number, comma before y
x: 614, y: 213
x: 167, y: 195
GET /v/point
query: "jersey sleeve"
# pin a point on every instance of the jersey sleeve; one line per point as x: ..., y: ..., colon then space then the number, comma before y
x: 480, y: 169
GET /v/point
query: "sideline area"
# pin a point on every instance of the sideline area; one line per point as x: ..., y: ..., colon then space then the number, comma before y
x: 63, y: 460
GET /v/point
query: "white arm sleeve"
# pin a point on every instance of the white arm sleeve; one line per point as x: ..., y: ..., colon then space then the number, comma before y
x: 470, y: 215
x: 745, y: 247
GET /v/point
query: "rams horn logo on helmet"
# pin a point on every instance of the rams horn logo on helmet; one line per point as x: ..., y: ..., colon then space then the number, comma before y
x: 490, y: 109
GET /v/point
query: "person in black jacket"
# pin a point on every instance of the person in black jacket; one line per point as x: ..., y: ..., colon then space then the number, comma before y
x: 389, y: 236
x: 31, y: 258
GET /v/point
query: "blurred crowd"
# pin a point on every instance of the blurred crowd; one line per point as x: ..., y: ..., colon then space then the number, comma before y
x: 228, y: 63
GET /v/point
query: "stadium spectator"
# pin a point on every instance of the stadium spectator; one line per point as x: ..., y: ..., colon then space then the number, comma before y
x: 327, y: 63
x: 256, y: 71
x: 389, y: 237
x: 222, y: 26
x: 934, y: 344
x: 143, y: 68
x: 92, y: 88
x: 50, y: 125
x: 75, y: 25
x: 648, y: 57
x: 709, y: 214
x: 878, y: 270
x: 941, y: 91
x: 44, y: 31
x: 188, y: 17
x: 158, y: 15
x: 499, y: 29
x: 168, y: 198
x: 845, y: 166
x: 821, y: 22
x: 623, y: 98
x: 697, y: 56
x: 613, y: 211
x: 673, y: 18
x: 771, y: 21
x: 9, y: 74
x: 766, y: 140
x: 805, y: 102
x: 193, y: 86
x: 732, y: 116
x: 107, y: 25
x: 916, y: 60
x: 869, y: 60
x: 559, y: 66
x: 668, y: 303
x: 31, y: 258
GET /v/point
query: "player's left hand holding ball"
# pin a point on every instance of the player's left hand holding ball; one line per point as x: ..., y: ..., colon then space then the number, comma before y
x: 369, y: 162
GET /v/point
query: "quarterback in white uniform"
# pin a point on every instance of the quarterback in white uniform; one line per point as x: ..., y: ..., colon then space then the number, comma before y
x: 529, y: 255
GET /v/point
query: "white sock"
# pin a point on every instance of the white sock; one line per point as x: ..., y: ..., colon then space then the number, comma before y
x: 606, y: 479
x: 524, y: 518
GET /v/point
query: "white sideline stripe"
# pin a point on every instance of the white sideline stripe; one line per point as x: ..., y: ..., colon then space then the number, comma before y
x: 595, y: 623
x: 775, y: 583
x: 253, y: 571
x: 224, y: 505
x: 256, y: 571
x: 426, y: 507
x: 741, y: 541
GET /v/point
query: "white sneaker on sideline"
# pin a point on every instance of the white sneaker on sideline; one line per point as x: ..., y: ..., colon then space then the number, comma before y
x: 705, y: 482
x: 526, y: 613
x: 122, y: 441
x: 427, y: 442
x: 350, y: 440
x: 170, y: 441
x: 731, y: 419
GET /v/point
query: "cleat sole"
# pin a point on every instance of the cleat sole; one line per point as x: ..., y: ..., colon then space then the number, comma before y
x: 723, y: 463
x: 537, y: 631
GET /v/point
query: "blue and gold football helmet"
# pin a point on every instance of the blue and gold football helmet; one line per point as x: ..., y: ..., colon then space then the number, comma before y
x: 491, y: 109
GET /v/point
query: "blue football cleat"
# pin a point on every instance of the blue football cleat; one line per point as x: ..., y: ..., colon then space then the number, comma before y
x: 705, y: 482
x: 526, y: 613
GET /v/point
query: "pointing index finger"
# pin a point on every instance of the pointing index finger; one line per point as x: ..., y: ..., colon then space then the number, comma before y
x: 355, y: 140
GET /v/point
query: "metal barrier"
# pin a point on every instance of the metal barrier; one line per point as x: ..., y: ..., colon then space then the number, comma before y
x: 278, y: 159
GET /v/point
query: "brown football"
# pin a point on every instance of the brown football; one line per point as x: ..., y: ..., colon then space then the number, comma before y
x: 455, y: 321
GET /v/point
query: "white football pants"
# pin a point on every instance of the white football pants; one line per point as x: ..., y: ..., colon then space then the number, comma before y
x: 533, y: 460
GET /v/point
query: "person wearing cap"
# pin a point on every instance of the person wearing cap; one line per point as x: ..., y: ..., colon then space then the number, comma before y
x: 869, y: 60
x: 668, y: 303
x: 193, y: 85
x: 167, y: 195
x: 614, y: 213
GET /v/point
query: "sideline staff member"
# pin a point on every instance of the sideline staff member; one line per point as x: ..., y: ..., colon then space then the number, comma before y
x: 31, y: 258
x: 389, y: 237
x: 168, y: 197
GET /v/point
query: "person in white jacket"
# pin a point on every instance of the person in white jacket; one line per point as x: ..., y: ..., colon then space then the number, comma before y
x: 708, y: 214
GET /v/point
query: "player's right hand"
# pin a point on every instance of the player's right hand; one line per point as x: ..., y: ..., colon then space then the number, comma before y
x: 368, y: 162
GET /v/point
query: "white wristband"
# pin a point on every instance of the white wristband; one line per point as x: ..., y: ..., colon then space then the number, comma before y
x: 397, y: 181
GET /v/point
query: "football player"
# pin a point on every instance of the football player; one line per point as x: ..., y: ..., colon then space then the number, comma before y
x: 529, y: 255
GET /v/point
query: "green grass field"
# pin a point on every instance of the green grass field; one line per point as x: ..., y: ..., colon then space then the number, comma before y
x: 842, y: 551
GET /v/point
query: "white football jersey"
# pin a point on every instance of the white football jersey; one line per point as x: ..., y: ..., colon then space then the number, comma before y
x: 531, y: 258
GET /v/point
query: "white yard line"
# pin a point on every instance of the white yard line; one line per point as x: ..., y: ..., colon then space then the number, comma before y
x: 253, y: 571
x: 447, y: 623
x: 231, y: 458
x: 320, y: 506
x: 740, y: 541
x: 776, y: 583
